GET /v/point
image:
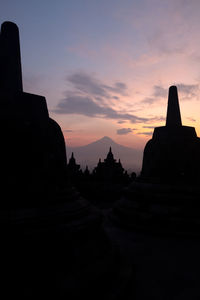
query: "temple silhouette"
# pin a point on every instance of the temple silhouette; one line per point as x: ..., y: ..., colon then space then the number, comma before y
x: 53, y: 241
x: 165, y: 197
x: 109, y: 169
x: 158, y: 216
x: 104, y: 184
x: 35, y: 156
x: 101, y: 234
x: 173, y: 151
x: 73, y: 169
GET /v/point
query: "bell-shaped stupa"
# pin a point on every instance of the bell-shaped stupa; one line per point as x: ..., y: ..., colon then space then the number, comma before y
x: 173, y: 151
x: 165, y: 197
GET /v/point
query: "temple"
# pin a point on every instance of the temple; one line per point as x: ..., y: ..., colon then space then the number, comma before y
x: 164, y: 199
x: 35, y: 156
x: 173, y: 151
x: 109, y: 169
x: 73, y: 170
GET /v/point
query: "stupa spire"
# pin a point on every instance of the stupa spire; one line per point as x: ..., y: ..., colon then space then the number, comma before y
x: 10, y: 59
x: 173, y: 110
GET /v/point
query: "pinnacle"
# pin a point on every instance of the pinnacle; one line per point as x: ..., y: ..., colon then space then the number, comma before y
x: 10, y: 60
x: 173, y: 110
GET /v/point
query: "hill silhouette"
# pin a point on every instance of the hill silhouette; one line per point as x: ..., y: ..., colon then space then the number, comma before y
x: 89, y: 155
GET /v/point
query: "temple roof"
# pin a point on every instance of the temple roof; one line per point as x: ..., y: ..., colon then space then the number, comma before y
x: 72, y: 159
x: 110, y: 156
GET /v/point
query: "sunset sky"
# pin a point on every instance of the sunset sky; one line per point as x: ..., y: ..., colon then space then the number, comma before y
x: 105, y: 66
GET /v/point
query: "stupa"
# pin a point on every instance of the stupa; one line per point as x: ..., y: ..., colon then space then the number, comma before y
x: 173, y: 151
x: 104, y: 186
x: 165, y: 198
x: 109, y: 170
x: 32, y: 144
x: 52, y: 240
x: 73, y: 170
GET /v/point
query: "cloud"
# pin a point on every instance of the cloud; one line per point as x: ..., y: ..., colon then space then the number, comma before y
x: 186, y: 91
x: 145, y: 133
x: 123, y: 131
x: 84, y: 83
x: 88, y: 84
x: 150, y: 127
x: 92, y: 98
x: 118, y: 87
x: 148, y: 100
x: 191, y: 119
x: 76, y: 104
x: 160, y: 92
x: 189, y: 91
x: 67, y: 130
x: 157, y: 119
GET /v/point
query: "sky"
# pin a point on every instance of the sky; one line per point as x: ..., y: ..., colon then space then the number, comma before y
x: 105, y: 67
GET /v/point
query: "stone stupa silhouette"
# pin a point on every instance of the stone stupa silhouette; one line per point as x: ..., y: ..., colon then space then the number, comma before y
x: 32, y: 152
x: 173, y: 151
x: 53, y: 242
x: 165, y: 198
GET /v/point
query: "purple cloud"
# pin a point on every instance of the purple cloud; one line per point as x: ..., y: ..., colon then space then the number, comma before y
x: 90, y: 97
x: 123, y: 131
x: 145, y: 133
x: 76, y: 104
x: 88, y: 84
x: 187, y: 92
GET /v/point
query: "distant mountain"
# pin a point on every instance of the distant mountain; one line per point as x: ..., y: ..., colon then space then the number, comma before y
x: 89, y: 155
